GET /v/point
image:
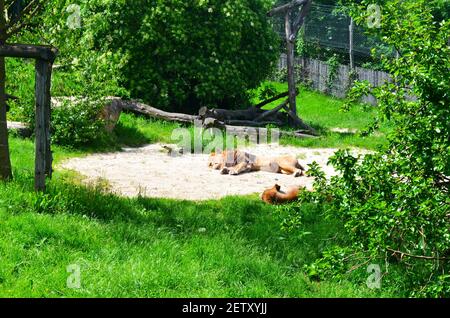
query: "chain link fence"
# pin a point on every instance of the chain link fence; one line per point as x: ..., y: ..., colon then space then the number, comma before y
x: 328, y: 27
x: 326, y: 33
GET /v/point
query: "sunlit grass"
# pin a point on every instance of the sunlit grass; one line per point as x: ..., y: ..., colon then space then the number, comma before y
x: 140, y: 247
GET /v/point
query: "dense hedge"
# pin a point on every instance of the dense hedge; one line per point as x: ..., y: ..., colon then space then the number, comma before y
x: 184, y: 54
x: 395, y: 203
x: 174, y: 54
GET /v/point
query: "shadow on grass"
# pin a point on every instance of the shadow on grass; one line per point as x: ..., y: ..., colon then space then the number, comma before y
x: 244, y: 218
x: 122, y: 136
x: 130, y: 136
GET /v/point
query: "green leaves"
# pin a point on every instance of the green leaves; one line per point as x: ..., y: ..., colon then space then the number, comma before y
x: 398, y: 198
x: 184, y: 55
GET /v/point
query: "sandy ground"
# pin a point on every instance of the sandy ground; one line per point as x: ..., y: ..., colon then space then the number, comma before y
x: 151, y: 172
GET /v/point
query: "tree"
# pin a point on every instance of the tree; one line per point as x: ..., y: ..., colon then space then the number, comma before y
x: 15, y: 15
x: 395, y: 203
x: 290, y: 11
x: 182, y: 55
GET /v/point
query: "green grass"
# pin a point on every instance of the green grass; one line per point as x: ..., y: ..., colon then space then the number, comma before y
x: 324, y: 113
x: 136, y: 131
x: 141, y: 247
x: 233, y: 247
x: 321, y: 111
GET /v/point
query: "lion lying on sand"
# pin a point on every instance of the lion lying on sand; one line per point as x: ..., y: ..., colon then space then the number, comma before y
x: 235, y: 162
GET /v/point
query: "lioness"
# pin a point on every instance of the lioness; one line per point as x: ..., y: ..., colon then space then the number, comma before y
x: 274, y: 195
x: 235, y: 162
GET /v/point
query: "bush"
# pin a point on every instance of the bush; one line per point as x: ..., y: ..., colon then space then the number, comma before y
x: 181, y: 55
x: 175, y: 54
x: 78, y: 124
x: 395, y: 202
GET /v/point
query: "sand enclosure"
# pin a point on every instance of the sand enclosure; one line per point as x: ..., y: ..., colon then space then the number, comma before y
x: 151, y: 172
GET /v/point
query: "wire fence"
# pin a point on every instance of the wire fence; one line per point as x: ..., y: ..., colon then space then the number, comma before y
x: 320, y: 76
x: 329, y: 28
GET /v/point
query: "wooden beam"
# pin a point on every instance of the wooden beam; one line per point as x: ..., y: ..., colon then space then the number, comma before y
x: 300, y: 20
x: 48, y: 67
x: 350, y: 51
x: 286, y: 7
x: 43, y: 161
x: 46, y: 53
x: 245, y: 130
x: 272, y: 111
x: 290, y: 65
x: 272, y: 99
x: 142, y: 109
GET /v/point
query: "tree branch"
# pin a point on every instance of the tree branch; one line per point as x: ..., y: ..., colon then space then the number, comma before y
x: 417, y: 256
x: 272, y: 111
x: 286, y: 7
x: 42, y: 52
x: 24, y: 18
x: 300, y: 20
x: 272, y: 99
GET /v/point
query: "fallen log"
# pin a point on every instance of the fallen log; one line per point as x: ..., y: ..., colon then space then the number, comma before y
x: 246, y: 130
x: 227, y: 114
x: 272, y: 99
x: 252, y: 123
x: 233, y: 126
x: 272, y: 112
x: 143, y: 109
x: 21, y: 129
x: 300, y: 123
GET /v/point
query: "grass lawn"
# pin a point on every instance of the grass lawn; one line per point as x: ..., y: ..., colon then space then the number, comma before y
x: 140, y: 247
x: 321, y: 111
x: 234, y: 247
x: 324, y: 113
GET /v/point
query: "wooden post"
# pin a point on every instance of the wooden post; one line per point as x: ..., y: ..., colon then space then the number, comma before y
x: 43, y: 164
x: 351, y: 27
x: 44, y: 56
x: 290, y: 65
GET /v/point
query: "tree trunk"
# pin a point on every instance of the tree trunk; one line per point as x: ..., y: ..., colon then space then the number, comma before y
x: 290, y: 65
x: 142, y: 109
x: 5, y: 161
x: 350, y: 50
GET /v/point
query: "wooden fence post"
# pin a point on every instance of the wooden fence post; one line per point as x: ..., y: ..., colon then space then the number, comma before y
x: 351, y: 27
x: 43, y: 164
x: 290, y: 65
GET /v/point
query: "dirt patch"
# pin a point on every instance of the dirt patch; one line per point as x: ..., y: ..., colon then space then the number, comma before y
x: 149, y: 171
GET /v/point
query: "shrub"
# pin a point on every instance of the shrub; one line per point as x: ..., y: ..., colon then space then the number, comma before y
x: 181, y: 55
x: 78, y: 124
x: 395, y: 202
x: 174, y: 54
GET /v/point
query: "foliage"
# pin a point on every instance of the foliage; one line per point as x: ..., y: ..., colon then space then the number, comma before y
x: 267, y: 91
x: 94, y: 72
x: 395, y: 202
x: 78, y: 124
x: 177, y: 55
x: 333, y: 63
x: 280, y: 75
x: 73, y: 123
